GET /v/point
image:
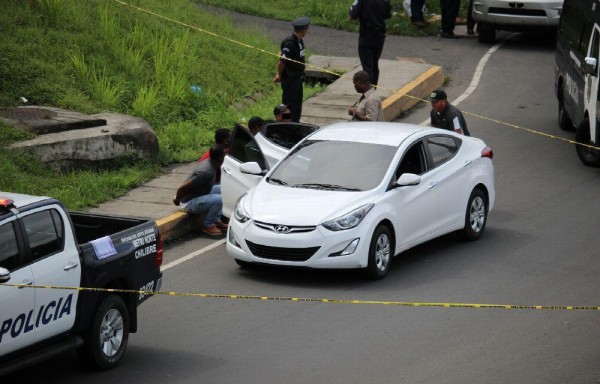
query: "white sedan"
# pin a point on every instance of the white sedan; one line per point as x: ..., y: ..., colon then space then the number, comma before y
x: 353, y: 195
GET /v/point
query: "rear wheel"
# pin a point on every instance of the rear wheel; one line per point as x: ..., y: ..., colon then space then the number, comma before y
x: 486, y: 34
x: 475, y: 216
x: 381, y: 251
x: 564, y: 121
x: 106, y: 341
x: 589, y: 156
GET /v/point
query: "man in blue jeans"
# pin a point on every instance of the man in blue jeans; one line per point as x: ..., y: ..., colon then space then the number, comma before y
x: 199, y: 195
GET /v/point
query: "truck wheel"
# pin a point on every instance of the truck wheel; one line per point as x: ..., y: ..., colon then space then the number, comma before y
x: 564, y: 121
x: 475, y: 216
x: 588, y: 156
x: 381, y: 252
x: 486, y: 34
x: 106, y: 341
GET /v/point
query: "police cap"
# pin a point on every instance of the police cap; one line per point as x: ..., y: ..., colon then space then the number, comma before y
x: 301, y: 23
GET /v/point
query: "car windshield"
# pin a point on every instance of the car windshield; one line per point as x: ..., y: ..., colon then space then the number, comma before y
x: 334, y: 165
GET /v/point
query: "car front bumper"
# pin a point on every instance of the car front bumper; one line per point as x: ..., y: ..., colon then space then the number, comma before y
x: 318, y: 248
x: 517, y: 14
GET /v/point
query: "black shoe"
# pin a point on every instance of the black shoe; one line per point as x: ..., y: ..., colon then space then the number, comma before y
x: 470, y: 31
x: 446, y: 35
x: 419, y: 23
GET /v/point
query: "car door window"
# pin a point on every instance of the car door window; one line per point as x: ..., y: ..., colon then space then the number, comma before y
x: 442, y: 148
x: 288, y: 134
x: 9, y: 249
x: 245, y: 149
x: 413, y: 161
x: 45, y: 232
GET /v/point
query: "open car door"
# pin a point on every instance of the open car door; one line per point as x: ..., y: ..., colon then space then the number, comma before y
x: 266, y: 149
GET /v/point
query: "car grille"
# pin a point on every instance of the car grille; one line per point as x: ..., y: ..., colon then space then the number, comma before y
x: 278, y: 253
x: 278, y: 228
x: 518, y: 11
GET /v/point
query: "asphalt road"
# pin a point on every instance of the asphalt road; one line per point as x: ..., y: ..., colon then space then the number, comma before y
x: 540, y: 248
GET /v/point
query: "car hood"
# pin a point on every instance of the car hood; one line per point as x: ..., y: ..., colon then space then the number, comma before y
x: 300, y: 206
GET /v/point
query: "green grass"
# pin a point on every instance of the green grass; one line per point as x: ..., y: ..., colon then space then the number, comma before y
x: 332, y: 13
x: 97, y: 55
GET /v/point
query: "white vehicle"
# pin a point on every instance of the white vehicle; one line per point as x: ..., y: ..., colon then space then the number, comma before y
x: 509, y: 15
x: 353, y: 195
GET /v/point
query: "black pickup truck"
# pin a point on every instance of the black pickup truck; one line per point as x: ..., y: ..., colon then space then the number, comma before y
x: 41, y: 244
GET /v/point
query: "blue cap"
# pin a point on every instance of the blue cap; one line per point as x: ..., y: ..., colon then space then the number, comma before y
x: 301, y: 23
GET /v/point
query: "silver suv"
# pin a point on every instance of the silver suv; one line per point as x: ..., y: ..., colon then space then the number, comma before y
x: 511, y: 15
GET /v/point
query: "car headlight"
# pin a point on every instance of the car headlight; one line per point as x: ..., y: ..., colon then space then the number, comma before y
x: 239, y: 212
x: 349, y: 220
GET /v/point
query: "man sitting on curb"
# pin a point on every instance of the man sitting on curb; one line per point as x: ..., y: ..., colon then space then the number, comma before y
x: 223, y: 137
x: 196, y: 195
x: 368, y: 107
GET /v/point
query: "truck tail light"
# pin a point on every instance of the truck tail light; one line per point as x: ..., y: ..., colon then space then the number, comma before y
x: 159, y: 250
x: 487, y: 152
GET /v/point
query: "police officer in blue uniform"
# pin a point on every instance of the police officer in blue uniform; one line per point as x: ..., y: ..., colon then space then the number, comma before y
x: 290, y: 68
x: 371, y: 14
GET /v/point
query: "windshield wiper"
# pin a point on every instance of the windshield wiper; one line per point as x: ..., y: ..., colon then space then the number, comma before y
x: 277, y: 181
x: 326, y: 186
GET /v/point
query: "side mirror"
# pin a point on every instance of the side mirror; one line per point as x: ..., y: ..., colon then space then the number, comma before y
x: 589, y: 67
x: 251, y: 168
x: 408, y: 179
x: 4, y: 275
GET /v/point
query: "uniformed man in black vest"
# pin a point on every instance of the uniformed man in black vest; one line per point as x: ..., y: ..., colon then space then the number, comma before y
x: 371, y: 14
x: 290, y: 69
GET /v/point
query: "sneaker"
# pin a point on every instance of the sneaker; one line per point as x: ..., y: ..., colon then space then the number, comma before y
x: 470, y: 31
x: 221, y: 225
x: 212, y: 231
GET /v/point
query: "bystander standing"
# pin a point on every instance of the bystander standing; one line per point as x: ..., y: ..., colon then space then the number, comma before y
x: 371, y: 14
x: 368, y: 107
x: 446, y: 116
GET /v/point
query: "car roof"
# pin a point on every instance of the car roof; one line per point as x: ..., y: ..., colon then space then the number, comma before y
x: 368, y: 132
x: 20, y: 200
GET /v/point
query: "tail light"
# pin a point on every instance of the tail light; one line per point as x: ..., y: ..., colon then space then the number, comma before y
x: 159, y: 251
x: 487, y: 152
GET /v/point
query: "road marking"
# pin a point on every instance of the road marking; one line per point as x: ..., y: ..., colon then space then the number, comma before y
x: 477, y: 75
x: 192, y: 255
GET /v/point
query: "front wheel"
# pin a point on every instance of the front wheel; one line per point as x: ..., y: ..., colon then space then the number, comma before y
x: 589, y: 156
x: 486, y: 34
x: 106, y: 341
x: 475, y: 216
x: 381, y: 251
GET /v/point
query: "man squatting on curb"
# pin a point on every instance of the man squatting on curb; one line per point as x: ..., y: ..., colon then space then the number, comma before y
x: 197, y: 196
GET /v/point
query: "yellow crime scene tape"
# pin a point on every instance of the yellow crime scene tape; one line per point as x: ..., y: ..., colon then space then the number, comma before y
x: 312, y: 300
x: 278, y: 55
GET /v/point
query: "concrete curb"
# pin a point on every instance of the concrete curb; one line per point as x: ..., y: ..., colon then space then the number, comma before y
x: 413, y: 92
x: 180, y: 223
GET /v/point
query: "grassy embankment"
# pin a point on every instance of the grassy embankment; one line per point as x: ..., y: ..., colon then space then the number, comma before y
x: 334, y: 13
x: 97, y: 55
